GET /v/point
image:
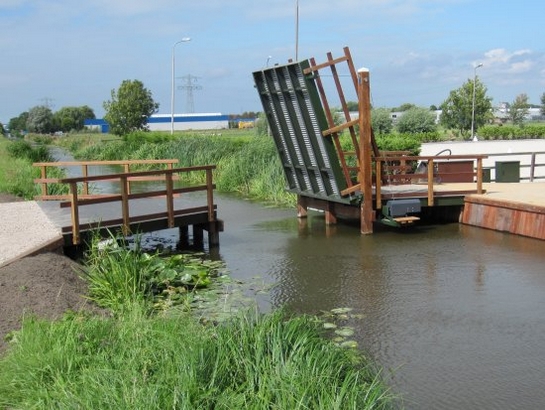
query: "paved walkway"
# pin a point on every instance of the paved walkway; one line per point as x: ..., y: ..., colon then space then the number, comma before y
x: 25, y: 229
x: 531, y: 193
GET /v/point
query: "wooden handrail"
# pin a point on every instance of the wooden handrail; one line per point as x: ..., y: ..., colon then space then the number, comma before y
x: 43, y: 180
x: 430, y: 172
x: 168, y: 190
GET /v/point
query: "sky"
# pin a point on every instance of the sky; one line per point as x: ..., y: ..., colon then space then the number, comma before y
x: 63, y: 53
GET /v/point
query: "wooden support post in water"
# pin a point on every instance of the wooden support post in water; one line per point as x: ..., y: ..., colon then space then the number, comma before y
x: 302, y: 211
x: 184, y: 237
x: 197, y: 235
x: 330, y: 217
x: 366, y: 180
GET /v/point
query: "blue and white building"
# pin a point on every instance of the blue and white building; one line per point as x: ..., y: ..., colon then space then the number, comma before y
x: 181, y: 122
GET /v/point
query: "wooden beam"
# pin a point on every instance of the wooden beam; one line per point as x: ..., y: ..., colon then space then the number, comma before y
x: 364, y: 99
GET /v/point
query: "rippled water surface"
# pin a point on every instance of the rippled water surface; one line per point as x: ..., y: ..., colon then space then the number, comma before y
x: 455, y: 315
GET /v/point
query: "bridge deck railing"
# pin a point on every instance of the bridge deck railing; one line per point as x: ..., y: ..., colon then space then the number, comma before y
x: 400, y: 170
x: 86, y: 168
x: 165, y: 177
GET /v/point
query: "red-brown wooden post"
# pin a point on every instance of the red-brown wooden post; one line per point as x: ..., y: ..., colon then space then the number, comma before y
x: 74, y: 211
x: 364, y: 98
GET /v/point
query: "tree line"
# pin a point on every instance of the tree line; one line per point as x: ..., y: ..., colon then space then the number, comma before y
x: 132, y: 104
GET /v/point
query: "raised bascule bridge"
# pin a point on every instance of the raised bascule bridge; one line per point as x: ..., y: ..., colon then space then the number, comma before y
x: 330, y: 157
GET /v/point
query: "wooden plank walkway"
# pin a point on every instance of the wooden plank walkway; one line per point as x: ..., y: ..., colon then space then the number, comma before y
x: 146, y: 215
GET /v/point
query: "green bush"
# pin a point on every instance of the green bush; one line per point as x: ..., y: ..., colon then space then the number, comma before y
x: 400, y: 142
x: 24, y: 150
x: 416, y: 120
x: 511, y: 132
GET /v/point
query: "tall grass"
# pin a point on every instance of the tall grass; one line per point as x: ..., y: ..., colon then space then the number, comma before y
x: 142, y: 362
x: 247, y: 165
x: 116, y: 275
x: 17, y: 173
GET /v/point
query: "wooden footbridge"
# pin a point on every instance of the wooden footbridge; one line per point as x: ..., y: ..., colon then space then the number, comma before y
x: 331, y: 159
x: 124, y: 208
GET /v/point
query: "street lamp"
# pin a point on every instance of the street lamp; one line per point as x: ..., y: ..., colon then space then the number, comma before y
x: 183, y: 40
x: 296, y: 30
x: 473, y: 136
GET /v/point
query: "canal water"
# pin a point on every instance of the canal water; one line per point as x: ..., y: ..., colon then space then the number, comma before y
x: 455, y: 315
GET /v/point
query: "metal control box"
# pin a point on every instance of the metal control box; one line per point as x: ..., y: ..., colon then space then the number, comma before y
x: 402, y: 207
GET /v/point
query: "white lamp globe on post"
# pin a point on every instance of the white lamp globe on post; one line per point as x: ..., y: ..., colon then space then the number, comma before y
x: 473, y: 136
x: 183, y: 40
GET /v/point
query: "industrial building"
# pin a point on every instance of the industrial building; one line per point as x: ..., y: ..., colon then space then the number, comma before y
x: 180, y: 122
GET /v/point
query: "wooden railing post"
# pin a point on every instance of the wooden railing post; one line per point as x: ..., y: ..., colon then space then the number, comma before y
x: 127, y: 169
x: 170, y: 199
x: 378, y: 184
x: 85, y: 173
x: 430, y: 182
x: 125, y: 205
x: 210, y: 194
x: 532, y: 166
x: 479, y: 175
x: 74, y: 211
x: 43, y: 173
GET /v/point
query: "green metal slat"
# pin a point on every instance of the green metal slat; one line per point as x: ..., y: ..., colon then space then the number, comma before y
x: 296, y: 117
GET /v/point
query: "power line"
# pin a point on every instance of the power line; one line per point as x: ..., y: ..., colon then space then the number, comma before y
x: 190, y: 86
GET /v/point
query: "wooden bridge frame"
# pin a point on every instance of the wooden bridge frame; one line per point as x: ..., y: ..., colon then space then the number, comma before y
x: 308, y: 142
x: 201, y: 218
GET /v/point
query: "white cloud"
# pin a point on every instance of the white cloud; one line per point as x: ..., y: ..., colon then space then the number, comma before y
x: 500, y: 56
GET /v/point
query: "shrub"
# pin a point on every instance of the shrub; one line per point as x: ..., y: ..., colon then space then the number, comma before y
x: 417, y: 120
x: 24, y: 150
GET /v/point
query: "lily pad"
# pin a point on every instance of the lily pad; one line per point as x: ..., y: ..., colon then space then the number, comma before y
x: 351, y: 344
x: 340, y: 311
x: 345, y: 331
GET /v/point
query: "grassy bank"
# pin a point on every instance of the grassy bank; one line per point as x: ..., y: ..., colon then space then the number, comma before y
x: 16, y: 171
x: 142, y: 362
x: 145, y: 357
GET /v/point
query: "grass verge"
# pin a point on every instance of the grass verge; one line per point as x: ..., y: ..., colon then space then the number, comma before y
x: 148, y: 362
